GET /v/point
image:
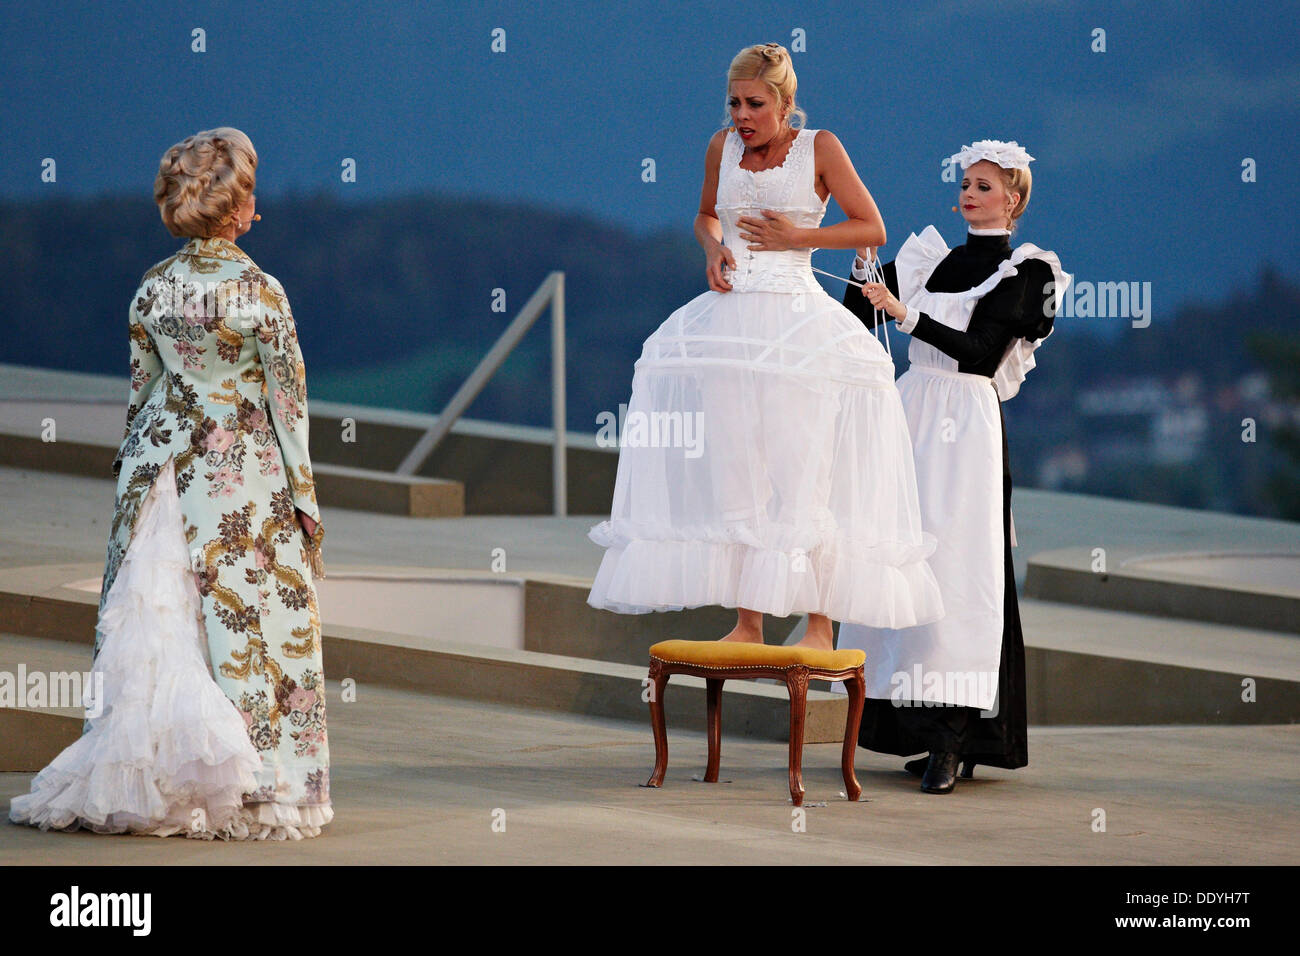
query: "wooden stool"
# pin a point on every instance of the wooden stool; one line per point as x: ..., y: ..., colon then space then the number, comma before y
x: 718, y: 661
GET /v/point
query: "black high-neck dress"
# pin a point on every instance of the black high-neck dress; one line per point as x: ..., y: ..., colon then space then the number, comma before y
x: 1014, y: 308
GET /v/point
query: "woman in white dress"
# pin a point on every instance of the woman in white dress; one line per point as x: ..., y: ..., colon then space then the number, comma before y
x: 956, y: 687
x: 765, y: 461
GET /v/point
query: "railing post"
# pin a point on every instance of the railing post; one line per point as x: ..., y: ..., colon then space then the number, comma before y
x: 551, y: 290
x: 559, y: 462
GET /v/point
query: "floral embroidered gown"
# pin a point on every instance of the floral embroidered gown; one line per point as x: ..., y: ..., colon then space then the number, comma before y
x: 217, y: 422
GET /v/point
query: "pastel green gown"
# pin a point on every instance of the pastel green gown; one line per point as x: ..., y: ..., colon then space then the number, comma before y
x: 219, y: 386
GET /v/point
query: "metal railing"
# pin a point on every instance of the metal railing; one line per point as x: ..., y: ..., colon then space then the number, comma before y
x: 551, y: 292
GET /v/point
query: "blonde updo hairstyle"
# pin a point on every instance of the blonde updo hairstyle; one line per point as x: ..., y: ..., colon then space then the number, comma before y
x: 203, y: 180
x: 771, y: 63
x: 1017, y: 181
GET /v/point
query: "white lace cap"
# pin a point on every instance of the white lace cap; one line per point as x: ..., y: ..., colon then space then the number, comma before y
x: 1007, y: 155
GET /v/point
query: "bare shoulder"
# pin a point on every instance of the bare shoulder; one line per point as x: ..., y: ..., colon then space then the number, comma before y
x: 716, y: 142
x: 826, y: 145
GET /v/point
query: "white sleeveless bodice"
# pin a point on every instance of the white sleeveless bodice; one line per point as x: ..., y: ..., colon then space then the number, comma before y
x: 790, y: 189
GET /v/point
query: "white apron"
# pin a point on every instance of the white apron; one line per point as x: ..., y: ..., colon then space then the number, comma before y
x: 956, y: 432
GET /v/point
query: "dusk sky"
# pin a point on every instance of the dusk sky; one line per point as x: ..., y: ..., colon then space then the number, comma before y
x: 1139, y: 149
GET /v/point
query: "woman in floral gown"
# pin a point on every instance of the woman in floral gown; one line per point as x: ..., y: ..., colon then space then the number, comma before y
x: 216, y: 536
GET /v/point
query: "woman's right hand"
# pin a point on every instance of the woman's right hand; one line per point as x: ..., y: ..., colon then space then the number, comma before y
x: 882, y: 298
x: 719, y: 258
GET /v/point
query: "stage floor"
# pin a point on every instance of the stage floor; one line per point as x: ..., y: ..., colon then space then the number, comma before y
x: 420, y: 779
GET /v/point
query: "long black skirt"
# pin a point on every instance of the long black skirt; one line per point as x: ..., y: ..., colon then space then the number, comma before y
x: 998, y: 741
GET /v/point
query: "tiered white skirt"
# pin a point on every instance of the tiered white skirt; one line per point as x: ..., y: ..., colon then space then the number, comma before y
x: 765, y: 463
x: 168, y: 752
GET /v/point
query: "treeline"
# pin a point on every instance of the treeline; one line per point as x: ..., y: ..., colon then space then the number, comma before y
x: 394, y: 303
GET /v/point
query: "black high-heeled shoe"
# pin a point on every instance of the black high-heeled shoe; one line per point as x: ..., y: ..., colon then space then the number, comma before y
x: 917, y: 767
x: 940, y: 773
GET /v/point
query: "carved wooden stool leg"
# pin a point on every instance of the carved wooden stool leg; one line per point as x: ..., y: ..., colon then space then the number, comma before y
x: 658, y: 683
x: 857, y: 688
x: 796, y: 681
x: 715, y: 728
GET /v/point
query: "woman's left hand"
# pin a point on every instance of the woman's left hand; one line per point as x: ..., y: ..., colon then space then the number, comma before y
x: 882, y: 298
x: 773, y: 233
x: 308, y: 524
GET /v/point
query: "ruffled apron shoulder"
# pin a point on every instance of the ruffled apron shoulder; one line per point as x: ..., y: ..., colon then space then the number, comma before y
x: 1019, y: 359
x: 917, y: 259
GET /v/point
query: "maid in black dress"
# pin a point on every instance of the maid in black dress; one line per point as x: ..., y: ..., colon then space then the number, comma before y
x: 956, y: 687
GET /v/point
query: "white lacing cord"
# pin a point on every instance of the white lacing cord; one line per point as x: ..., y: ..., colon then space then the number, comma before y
x: 875, y: 273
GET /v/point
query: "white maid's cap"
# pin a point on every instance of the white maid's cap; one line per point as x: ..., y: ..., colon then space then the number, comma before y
x: 1007, y: 155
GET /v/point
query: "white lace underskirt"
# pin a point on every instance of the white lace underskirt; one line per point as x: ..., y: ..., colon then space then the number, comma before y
x: 766, y: 463
x: 168, y: 753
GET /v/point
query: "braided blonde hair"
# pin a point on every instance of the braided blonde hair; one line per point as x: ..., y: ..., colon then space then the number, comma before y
x: 203, y: 180
x: 771, y: 63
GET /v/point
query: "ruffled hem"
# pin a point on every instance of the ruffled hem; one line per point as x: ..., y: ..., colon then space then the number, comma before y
x: 164, y: 750
x: 269, y: 821
x: 886, y: 584
x: 191, y: 819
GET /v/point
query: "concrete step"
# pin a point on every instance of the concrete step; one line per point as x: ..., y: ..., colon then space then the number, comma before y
x: 480, y: 468
x: 1257, y: 589
x: 32, y: 731
x: 341, y: 486
x: 554, y: 652
x: 361, y: 660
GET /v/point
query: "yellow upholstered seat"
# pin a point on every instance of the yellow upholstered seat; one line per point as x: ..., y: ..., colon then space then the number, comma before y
x: 720, y: 661
x: 722, y: 654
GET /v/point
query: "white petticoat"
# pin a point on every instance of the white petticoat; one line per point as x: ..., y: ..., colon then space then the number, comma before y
x: 765, y: 463
x: 168, y: 752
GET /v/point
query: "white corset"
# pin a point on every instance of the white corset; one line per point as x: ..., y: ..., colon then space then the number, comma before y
x: 789, y: 189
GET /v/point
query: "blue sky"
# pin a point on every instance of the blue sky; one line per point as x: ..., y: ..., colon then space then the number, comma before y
x: 1139, y: 149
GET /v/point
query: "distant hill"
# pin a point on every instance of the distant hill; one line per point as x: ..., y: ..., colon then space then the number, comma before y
x: 393, y: 303
x: 392, y: 299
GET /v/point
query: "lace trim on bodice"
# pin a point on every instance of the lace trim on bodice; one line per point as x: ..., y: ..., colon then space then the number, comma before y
x: 789, y: 188
x: 791, y: 173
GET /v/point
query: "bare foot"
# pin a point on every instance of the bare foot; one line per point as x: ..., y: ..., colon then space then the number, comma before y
x: 819, y: 636
x: 744, y: 634
x: 748, y: 629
